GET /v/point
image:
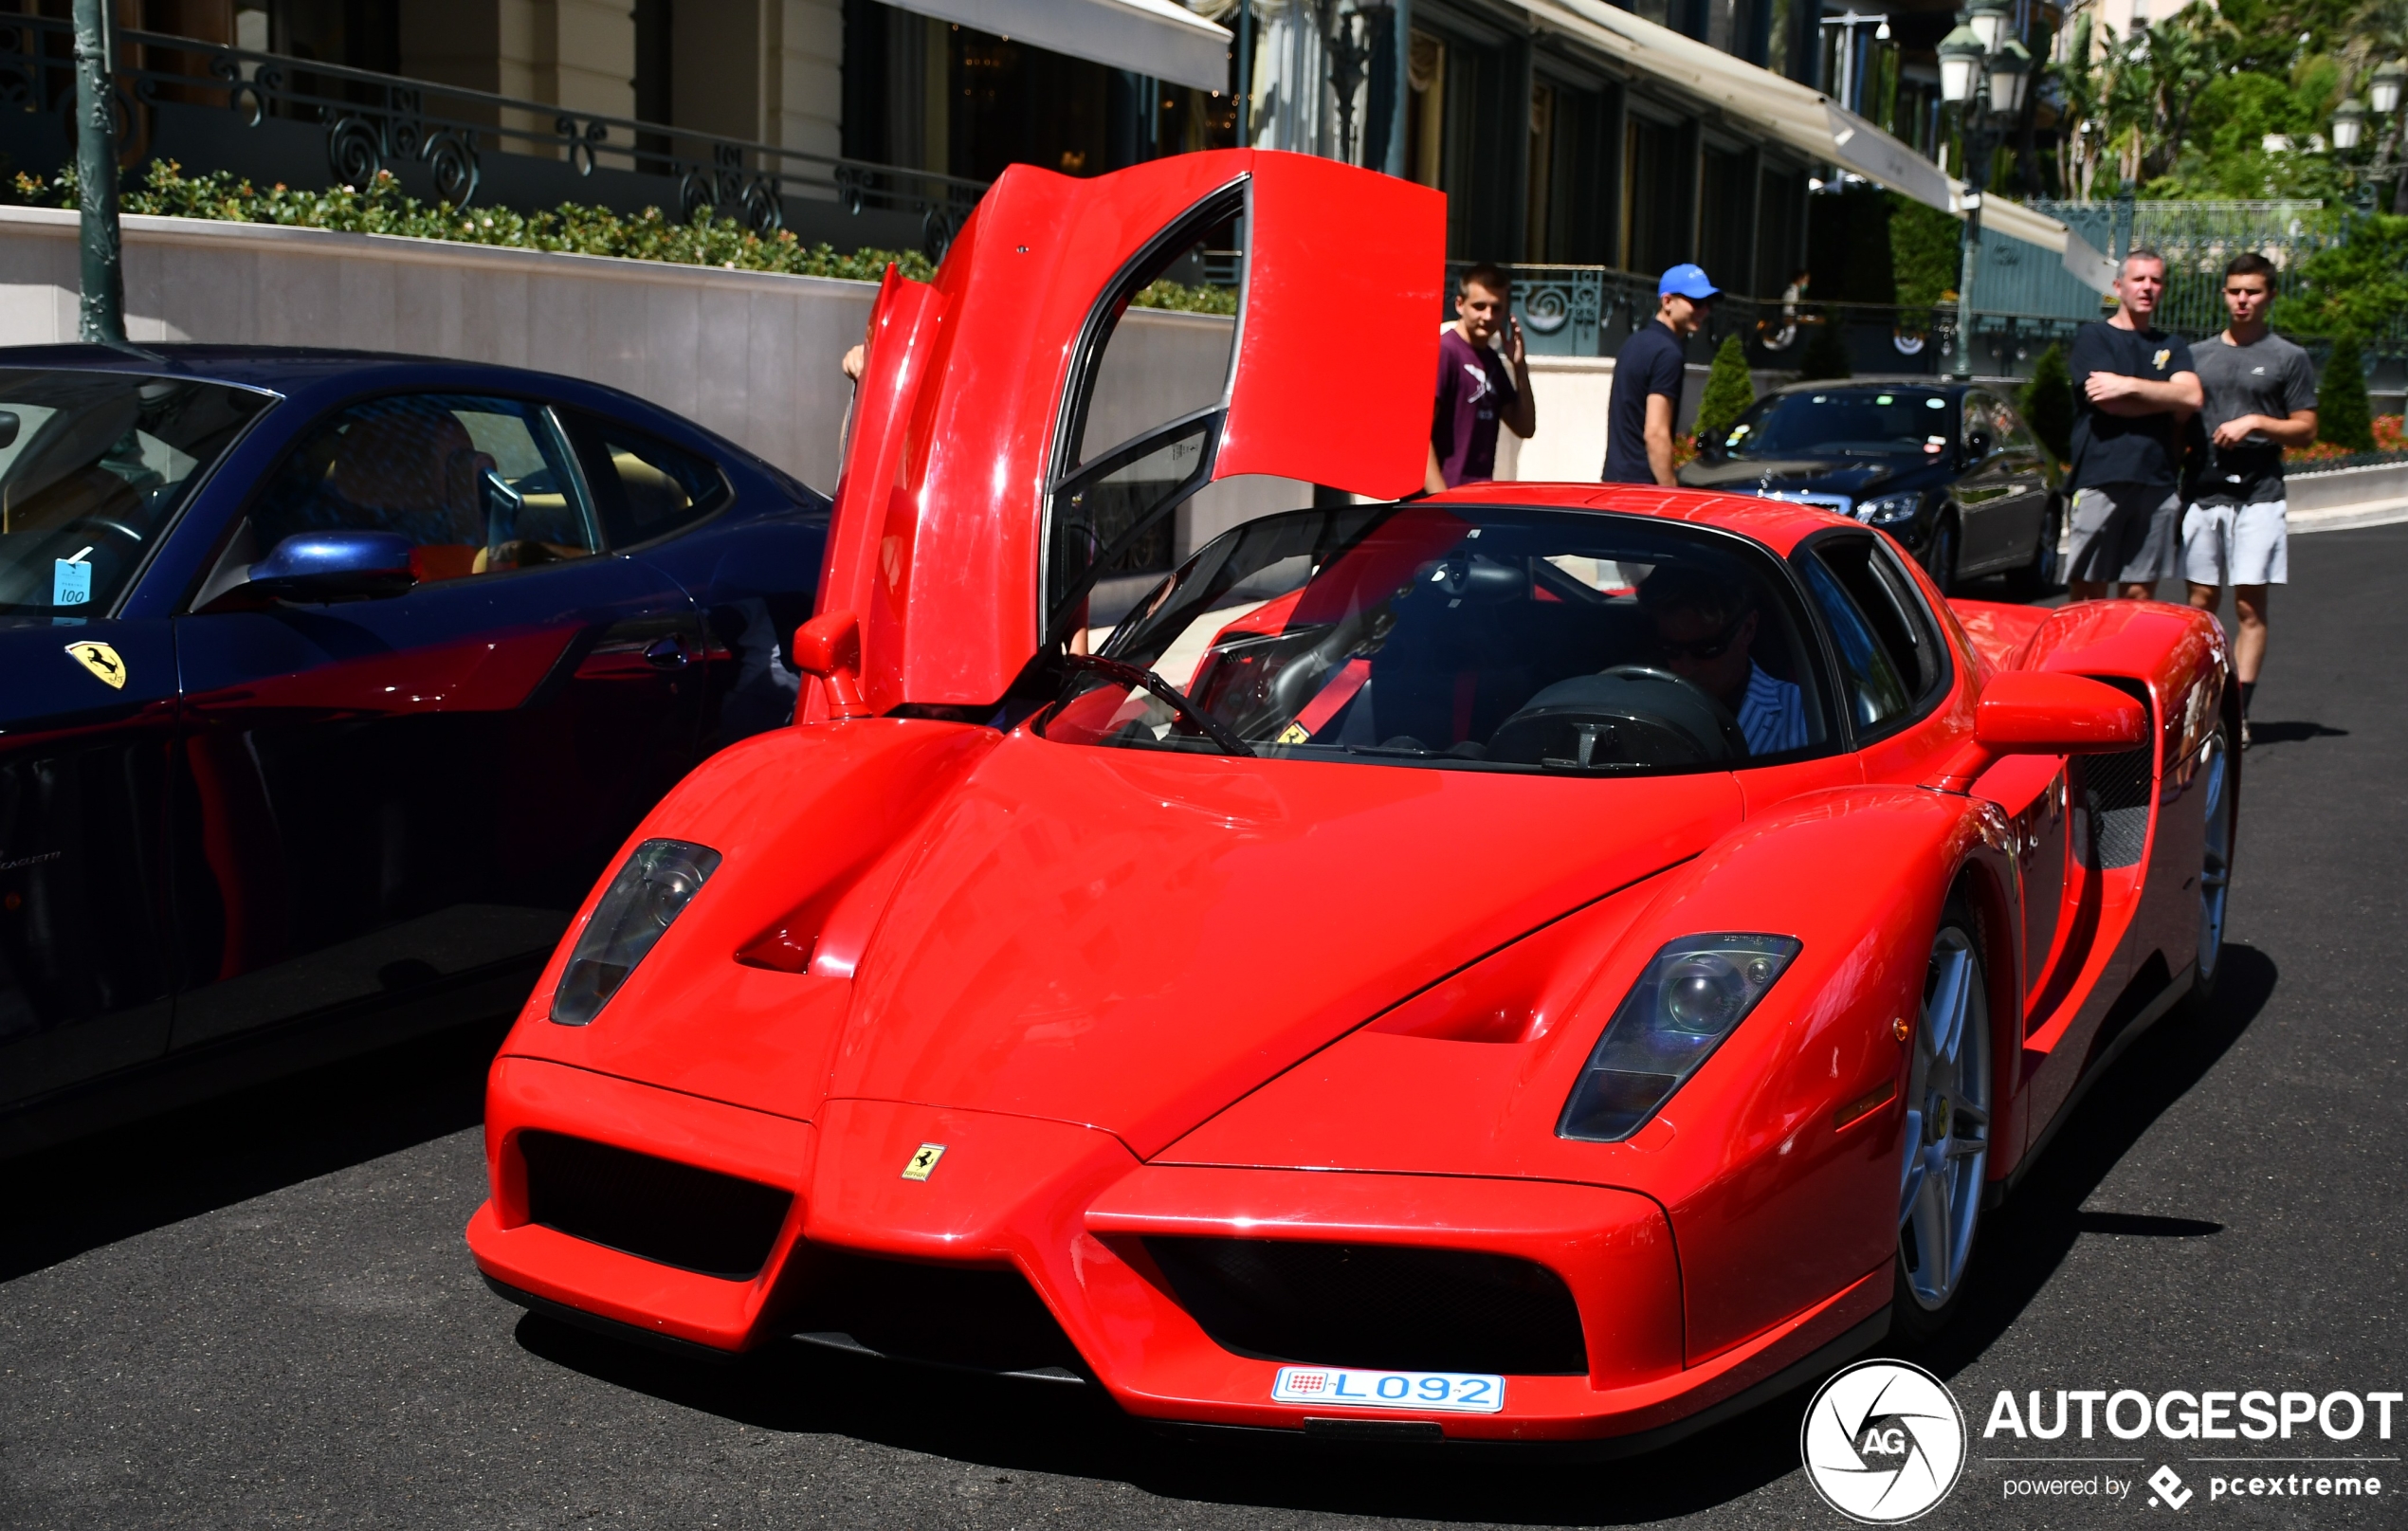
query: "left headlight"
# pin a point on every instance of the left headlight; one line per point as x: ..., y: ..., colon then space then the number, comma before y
x: 659, y: 879
x: 1692, y: 995
x: 1890, y: 509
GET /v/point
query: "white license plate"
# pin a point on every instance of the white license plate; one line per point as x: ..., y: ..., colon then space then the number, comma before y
x: 1461, y: 1392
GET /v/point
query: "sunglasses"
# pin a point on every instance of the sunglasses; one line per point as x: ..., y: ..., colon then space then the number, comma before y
x: 1714, y: 647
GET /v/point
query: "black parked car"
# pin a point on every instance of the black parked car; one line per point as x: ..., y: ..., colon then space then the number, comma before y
x: 1949, y: 469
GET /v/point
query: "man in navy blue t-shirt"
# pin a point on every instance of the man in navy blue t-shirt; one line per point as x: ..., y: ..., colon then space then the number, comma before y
x: 1647, y: 380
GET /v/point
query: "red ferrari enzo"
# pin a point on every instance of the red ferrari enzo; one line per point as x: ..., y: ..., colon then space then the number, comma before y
x: 1537, y: 962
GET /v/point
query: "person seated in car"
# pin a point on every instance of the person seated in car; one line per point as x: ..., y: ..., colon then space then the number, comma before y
x: 1705, y: 629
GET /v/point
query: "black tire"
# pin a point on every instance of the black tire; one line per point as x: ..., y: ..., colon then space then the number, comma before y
x: 1934, y: 1159
x: 1939, y: 554
x: 2042, y: 575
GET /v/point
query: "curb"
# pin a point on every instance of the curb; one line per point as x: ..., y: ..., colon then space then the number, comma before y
x: 2350, y: 517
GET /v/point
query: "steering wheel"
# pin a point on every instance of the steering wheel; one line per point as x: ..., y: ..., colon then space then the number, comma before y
x: 83, y: 526
x: 1631, y: 715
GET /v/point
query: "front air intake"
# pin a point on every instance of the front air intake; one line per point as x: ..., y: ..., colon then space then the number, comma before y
x: 1377, y: 1305
x: 654, y: 1209
x: 979, y: 1318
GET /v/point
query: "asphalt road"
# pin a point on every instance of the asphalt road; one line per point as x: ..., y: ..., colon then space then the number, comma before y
x: 262, y: 1312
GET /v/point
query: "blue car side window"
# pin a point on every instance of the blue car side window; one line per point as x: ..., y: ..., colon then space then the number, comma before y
x: 478, y: 485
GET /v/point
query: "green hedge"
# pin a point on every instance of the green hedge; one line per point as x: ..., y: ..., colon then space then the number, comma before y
x: 383, y: 207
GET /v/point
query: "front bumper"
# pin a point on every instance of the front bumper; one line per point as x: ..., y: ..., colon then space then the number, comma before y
x: 1072, y: 1212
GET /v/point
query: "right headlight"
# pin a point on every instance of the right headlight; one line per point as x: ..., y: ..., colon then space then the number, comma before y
x: 652, y: 888
x: 1692, y: 995
x: 1890, y: 509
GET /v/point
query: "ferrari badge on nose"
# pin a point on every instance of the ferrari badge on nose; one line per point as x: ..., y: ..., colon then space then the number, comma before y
x: 102, y: 661
x: 924, y: 1161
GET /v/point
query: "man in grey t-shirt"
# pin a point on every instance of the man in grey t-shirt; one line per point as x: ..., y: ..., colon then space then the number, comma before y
x: 2261, y: 397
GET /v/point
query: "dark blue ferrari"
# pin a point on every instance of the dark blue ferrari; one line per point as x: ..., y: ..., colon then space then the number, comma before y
x: 329, y: 683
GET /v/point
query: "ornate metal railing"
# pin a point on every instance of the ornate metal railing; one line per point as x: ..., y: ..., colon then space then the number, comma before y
x: 374, y: 122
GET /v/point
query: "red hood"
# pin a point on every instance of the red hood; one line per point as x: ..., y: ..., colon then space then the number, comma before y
x: 1132, y: 940
x: 1122, y: 939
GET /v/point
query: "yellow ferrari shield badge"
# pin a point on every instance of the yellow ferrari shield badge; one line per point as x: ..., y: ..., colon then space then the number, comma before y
x: 924, y: 1161
x: 102, y: 661
x: 2160, y: 358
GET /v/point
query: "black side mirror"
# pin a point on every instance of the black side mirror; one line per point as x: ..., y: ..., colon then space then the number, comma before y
x: 8, y: 427
x: 317, y: 567
x: 1976, y: 445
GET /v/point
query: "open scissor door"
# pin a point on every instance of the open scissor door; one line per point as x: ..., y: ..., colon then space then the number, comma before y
x: 979, y: 505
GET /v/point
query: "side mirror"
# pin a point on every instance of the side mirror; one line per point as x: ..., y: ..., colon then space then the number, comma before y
x: 315, y: 567
x: 829, y: 647
x: 8, y: 427
x: 1976, y: 445
x: 2039, y: 712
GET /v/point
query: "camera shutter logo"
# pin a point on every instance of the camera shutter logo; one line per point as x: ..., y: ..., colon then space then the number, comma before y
x: 1883, y: 1442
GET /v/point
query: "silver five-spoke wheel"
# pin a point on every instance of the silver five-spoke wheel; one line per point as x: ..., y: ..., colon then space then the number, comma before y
x: 2216, y: 870
x: 1946, y: 1152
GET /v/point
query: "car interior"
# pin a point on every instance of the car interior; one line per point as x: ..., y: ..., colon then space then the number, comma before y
x: 1490, y: 637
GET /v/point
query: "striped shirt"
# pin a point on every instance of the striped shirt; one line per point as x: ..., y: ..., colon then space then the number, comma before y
x: 1773, y: 714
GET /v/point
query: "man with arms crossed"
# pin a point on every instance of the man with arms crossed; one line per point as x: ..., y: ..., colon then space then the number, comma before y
x: 1647, y: 380
x: 2261, y: 397
x: 1478, y: 389
x: 2134, y: 386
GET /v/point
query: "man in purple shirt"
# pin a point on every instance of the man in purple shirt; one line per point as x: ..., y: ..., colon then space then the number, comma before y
x: 1477, y: 385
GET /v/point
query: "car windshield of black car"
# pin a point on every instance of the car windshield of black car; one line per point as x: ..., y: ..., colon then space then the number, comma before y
x: 1464, y: 637
x: 1845, y: 422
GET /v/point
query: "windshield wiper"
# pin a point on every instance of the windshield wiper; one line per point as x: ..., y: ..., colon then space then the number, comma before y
x: 1146, y: 679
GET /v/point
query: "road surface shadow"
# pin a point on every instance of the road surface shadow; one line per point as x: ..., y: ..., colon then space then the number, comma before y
x: 58, y: 1202
x: 1076, y: 1431
x: 2028, y: 1236
x: 2290, y: 733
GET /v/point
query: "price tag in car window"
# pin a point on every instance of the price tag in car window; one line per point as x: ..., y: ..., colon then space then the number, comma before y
x: 71, y: 581
x: 1460, y: 1393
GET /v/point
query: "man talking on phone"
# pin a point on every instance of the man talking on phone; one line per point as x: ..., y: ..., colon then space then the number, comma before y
x: 1478, y: 387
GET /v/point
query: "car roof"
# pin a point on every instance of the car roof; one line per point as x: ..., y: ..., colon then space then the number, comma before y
x: 1779, y: 524
x: 283, y: 368
x: 1943, y: 385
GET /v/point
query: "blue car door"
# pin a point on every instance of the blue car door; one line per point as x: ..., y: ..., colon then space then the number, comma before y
x: 400, y: 801
x: 93, y: 467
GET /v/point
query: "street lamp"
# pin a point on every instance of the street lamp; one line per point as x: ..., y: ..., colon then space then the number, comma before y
x: 2349, y: 131
x: 2009, y: 74
x: 1988, y: 20
x: 2349, y: 125
x: 1985, y: 74
x: 2382, y: 90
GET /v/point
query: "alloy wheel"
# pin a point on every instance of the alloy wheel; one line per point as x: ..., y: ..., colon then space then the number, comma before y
x: 1947, y: 1135
x: 2215, y: 871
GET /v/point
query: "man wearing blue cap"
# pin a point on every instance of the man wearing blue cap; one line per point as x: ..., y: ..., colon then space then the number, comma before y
x: 1647, y: 380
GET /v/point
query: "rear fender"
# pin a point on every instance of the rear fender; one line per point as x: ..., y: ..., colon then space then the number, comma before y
x: 1782, y: 1177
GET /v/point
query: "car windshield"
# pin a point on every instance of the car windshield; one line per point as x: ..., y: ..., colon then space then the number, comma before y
x: 1466, y: 637
x: 1844, y: 422
x: 92, y: 468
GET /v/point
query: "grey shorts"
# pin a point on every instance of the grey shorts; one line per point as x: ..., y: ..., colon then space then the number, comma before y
x: 2125, y: 533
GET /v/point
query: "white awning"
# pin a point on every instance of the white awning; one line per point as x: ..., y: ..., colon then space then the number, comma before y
x: 1159, y: 38
x: 1805, y: 119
